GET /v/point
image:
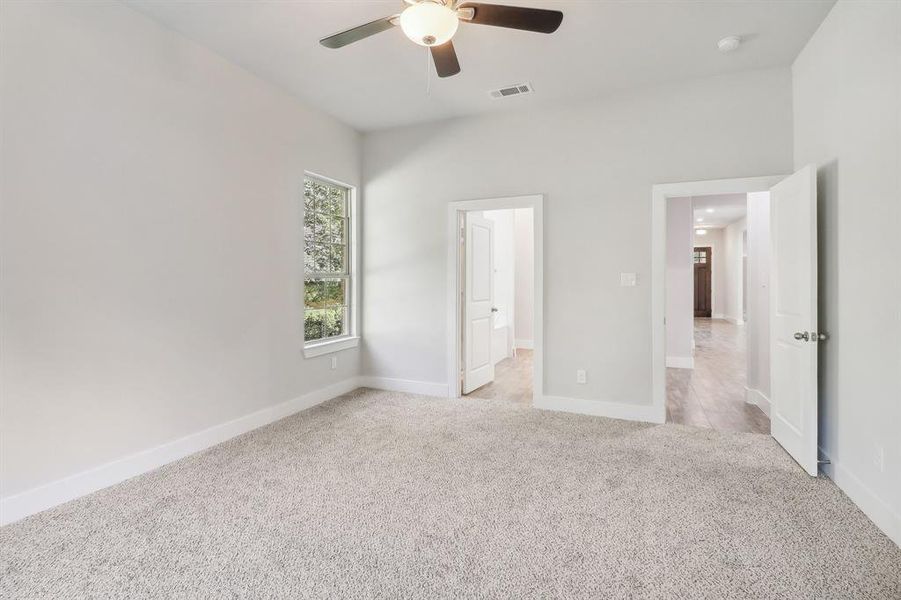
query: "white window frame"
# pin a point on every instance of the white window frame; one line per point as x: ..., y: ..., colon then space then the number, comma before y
x: 351, y: 339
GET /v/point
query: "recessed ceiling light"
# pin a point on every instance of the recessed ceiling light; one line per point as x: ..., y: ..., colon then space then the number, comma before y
x: 700, y: 219
x: 701, y: 231
x: 710, y: 210
x: 729, y: 43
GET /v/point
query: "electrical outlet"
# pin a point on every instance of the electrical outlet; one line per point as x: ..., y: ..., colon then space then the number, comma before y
x: 879, y: 459
x: 580, y: 376
x: 334, y: 363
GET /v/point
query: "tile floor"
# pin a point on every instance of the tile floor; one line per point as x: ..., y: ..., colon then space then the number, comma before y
x: 512, y: 380
x: 713, y: 393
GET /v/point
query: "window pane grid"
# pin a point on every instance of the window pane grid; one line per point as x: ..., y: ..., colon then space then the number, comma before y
x: 326, y: 268
x: 321, y: 324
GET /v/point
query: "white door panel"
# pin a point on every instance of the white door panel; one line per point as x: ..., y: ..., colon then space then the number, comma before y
x: 793, y: 320
x: 480, y: 343
x: 478, y: 301
x: 481, y: 270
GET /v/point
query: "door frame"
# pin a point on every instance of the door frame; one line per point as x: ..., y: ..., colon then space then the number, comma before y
x: 659, y: 195
x: 709, y: 250
x: 455, y: 285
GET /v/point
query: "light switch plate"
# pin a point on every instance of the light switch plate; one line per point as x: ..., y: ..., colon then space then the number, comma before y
x: 580, y: 376
x: 628, y: 279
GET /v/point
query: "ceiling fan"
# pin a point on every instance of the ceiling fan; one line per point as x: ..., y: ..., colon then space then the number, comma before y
x: 432, y: 23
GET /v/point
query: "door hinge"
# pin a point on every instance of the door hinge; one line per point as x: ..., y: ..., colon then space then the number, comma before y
x: 811, y: 336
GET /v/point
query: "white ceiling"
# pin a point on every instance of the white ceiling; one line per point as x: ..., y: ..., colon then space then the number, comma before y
x: 381, y: 81
x: 719, y: 210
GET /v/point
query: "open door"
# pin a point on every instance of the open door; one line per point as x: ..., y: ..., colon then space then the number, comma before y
x: 478, y: 303
x: 793, y: 322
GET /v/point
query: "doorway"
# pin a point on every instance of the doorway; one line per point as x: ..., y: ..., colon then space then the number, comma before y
x: 494, y: 299
x: 777, y: 298
x: 708, y: 361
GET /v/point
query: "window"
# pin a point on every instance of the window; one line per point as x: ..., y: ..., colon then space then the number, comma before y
x: 700, y: 256
x: 327, y: 260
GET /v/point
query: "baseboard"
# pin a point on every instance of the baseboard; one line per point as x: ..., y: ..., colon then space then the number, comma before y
x: 757, y: 398
x: 409, y: 386
x: 734, y: 320
x: 603, y: 408
x: 718, y: 316
x: 524, y: 344
x: 680, y: 362
x: 879, y: 511
x: 29, y: 502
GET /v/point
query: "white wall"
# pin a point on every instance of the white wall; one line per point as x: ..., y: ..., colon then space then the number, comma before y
x: 504, y: 283
x: 596, y: 162
x: 714, y: 239
x: 150, y: 238
x: 679, y: 283
x: 524, y: 311
x: 758, y: 293
x: 847, y: 121
x: 733, y: 252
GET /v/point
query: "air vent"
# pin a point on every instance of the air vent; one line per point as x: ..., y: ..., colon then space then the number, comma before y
x: 513, y: 90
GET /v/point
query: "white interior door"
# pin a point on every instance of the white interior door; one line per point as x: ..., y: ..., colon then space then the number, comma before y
x: 478, y: 303
x: 793, y: 321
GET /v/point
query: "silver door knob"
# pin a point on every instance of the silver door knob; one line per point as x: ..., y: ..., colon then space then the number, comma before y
x: 493, y: 309
x: 802, y: 336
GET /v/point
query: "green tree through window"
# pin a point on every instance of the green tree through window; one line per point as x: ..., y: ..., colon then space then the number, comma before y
x: 326, y: 235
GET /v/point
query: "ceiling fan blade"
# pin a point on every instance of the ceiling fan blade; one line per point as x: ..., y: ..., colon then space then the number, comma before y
x: 445, y: 58
x: 514, y: 17
x: 339, y: 40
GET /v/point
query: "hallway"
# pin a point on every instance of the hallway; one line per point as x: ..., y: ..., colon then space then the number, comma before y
x: 712, y: 394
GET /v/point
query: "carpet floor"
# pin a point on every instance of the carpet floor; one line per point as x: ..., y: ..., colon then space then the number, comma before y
x: 378, y: 494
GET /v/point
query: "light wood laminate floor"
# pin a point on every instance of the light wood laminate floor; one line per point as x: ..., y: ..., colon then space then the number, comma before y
x: 512, y: 380
x: 713, y: 393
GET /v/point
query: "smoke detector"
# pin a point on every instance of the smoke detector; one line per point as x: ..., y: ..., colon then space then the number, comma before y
x: 513, y: 90
x: 729, y: 43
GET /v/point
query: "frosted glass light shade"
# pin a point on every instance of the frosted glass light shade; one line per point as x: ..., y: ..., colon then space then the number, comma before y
x: 428, y: 23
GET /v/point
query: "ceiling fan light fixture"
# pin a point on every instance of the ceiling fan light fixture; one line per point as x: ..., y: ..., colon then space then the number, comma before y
x: 433, y: 23
x: 429, y: 23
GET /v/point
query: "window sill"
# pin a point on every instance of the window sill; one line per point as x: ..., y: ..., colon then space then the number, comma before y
x: 320, y: 348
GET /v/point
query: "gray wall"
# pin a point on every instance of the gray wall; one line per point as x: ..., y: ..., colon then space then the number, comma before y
x: 847, y: 120
x: 596, y: 162
x: 524, y: 313
x: 150, y: 238
x: 733, y: 256
x: 758, y: 327
x: 680, y: 282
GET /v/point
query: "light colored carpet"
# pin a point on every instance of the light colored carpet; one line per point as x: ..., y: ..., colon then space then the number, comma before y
x: 394, y: 495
